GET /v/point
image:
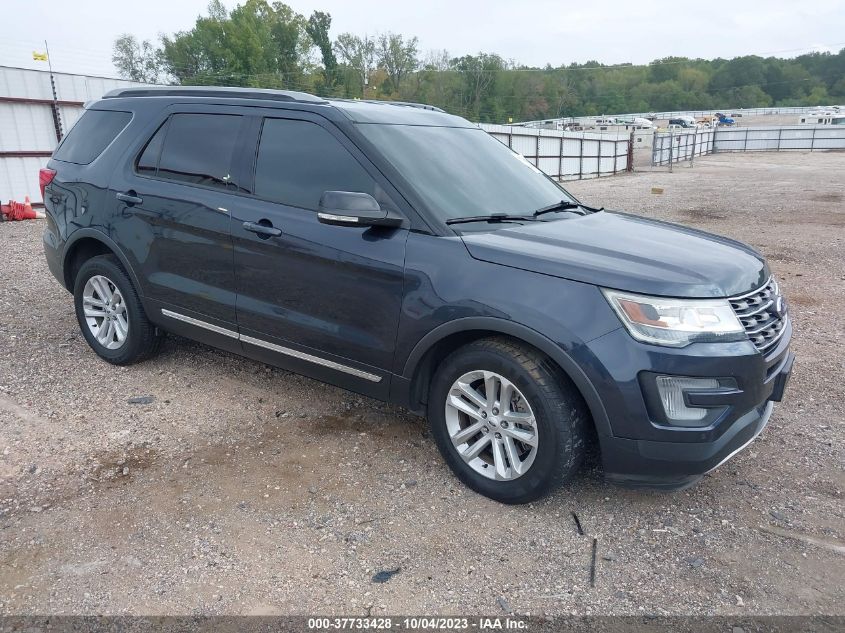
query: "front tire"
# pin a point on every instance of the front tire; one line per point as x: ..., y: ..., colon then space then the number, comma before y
x: 506, y: 420
x: 110, y: 314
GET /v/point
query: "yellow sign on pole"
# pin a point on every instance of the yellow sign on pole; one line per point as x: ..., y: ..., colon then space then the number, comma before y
x: 39, y: 57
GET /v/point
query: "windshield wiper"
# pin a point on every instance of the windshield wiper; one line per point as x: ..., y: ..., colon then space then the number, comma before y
x: 493, y: 217
x: 564, y: 205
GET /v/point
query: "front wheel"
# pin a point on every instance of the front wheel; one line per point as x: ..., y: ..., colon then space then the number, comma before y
x: 506, y: 421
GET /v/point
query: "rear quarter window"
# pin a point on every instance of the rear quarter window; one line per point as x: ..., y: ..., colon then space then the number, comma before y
x: 93, y: 132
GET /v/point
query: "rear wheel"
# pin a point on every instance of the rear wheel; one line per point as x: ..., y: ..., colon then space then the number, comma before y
x: 506, y: 421
x: 110, y: 314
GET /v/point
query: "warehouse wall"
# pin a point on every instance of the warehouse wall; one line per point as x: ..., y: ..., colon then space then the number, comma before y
x: 27, y: 129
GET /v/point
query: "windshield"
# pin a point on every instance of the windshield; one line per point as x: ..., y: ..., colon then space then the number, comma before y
x: 461, y: 172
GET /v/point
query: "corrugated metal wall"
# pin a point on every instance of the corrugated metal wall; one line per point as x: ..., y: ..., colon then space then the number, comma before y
x: 27, y: 129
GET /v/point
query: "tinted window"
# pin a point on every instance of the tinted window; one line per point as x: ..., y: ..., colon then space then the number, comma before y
x: 148, y: 162
x: 461, y: 172
x: 198, y: 149
x: 298, y: 161
x: 92, y: 133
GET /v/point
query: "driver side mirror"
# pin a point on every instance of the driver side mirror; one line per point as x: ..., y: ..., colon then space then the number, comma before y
x: 348, y: 208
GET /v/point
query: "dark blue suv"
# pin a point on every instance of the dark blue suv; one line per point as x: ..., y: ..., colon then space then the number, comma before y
x: 404, y: 254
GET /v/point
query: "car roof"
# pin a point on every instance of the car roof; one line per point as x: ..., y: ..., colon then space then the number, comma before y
x: 355, y: 110
x: 397, y: 113
x: 213, y: 91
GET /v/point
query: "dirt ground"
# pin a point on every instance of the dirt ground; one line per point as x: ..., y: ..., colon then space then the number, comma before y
x: 243, y: 489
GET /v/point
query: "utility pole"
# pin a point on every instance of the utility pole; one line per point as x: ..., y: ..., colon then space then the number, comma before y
x: 57, y: 116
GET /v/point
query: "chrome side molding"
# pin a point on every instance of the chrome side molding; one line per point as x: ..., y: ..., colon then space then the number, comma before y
x: 198, y: 323
x: 359, y: 373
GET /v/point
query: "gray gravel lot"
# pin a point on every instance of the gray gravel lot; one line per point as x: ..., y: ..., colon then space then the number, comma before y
x: 244, y: 489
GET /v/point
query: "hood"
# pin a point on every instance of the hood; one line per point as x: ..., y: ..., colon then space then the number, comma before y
x: 626, y: 252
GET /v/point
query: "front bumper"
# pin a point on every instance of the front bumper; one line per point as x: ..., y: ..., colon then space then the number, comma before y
x: 643, y: 450
x: 678, y: 465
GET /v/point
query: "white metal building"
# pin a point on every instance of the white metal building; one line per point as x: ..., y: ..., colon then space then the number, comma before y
x: 31, y: 122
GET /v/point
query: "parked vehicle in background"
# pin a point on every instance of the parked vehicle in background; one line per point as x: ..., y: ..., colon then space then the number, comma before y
x: 403, y: 253
x: 827, y: 118
x: 724, y: 120
x: 643, y: 123
x: 607, y: 121
x: 683, y: 121
x: 636, y: 123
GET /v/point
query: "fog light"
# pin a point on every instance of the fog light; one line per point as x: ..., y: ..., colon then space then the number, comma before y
x: 671, y: 390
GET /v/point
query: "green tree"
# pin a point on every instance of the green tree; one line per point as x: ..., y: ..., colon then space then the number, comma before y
x: 268, y: 44
x: 738, y: 73
x: 666, y: 69
x: 257, y: 44
x: 135, y: 60
x: 317, y: 27
x: 479, y: 74
x: 398, y: 57
x: 359, y: 55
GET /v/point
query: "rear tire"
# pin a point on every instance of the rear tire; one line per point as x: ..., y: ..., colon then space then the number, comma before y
x: 110, y: 313
x: 516, y: 448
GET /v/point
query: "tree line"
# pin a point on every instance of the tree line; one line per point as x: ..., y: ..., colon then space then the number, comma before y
x: 269, y: 45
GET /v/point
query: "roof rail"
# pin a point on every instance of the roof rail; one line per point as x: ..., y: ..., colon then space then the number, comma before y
x: 213, y: 91
x: 407, y: 104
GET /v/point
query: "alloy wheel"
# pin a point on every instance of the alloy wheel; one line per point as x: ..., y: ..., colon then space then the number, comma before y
x: 105, y: 312
x: 491, y: 425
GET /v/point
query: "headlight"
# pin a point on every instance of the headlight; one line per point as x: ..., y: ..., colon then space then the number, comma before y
x: 676, y: 322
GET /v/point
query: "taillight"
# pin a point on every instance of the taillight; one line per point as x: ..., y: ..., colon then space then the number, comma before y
x: 45, y: 177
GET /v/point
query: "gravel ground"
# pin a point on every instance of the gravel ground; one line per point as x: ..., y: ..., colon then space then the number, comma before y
x: 242, y: 489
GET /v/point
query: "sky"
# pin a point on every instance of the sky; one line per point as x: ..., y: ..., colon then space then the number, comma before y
x: 80, y: 33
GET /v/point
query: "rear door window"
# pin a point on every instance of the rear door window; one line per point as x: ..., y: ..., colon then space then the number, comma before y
x: 194, y: 148
x: 298, y: 161
x: 93, y: 132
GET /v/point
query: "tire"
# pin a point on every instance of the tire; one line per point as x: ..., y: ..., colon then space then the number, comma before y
x: 133, y: 338
x: 516, y: 471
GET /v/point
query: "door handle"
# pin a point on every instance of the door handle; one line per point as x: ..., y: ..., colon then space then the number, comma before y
x: 262, y: 230
x: 129, y: 198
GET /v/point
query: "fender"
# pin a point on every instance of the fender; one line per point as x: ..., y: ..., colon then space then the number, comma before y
x: 98, y: 235
x: 523, y: 333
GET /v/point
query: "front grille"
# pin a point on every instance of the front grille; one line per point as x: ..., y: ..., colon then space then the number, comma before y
x: 762, y: 314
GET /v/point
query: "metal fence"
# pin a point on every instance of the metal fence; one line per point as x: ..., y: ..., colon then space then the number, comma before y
x: 567, y: 155
x: 796, y: 137
x: 676, y: 146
